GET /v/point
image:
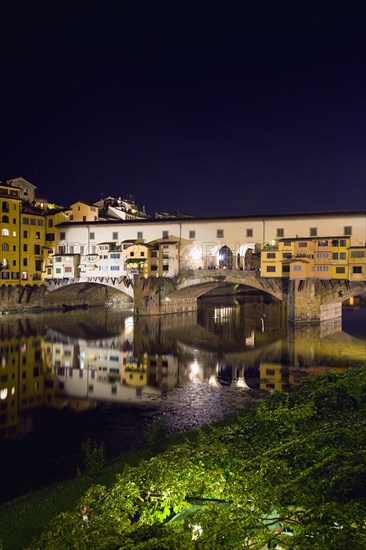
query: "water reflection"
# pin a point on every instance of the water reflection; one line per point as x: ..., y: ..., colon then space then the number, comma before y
x: 190, y: 368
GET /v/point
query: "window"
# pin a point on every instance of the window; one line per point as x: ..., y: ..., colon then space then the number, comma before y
x: 37, y: 249
x: 220, y: 233
x: 68, y: 269
x: 5, y: 247
x: 5, y: 219
x: 5, y: 206
x: 335, y: 256
x: 5, y: 232
x: 343, y: 242
x: 139, y: 234
x: 165, y: 267
x: 62, y: 236
x: 303, y: 245
x: 286, y: 255
x: 154, y: 268
x: 92, y: 235
x: 40, y: 223
x: 313, y: 231
x: 323, y: 243
x: 165, y: 234
x: 347, y: 230
x: 26, y: 221
x: 271, y: 268
x: 192, y: 234
x: 357, y: 254
x: 285, y: 269
x: 50, y: 236
x: 340, y: 269
x: 38, y: 265
x: 32, y: 221
x: 25, y: 262
x: 58, y: 270
x: 322, y: 268
x: 84, y: 218
x: 249, y: 232
x: 357, y: 269
x: 342, y: 256
x: 114, y: 267
x: 271, y: 254
x: 50, y: 223
x: 297, y: 268
x: 115, y: 236
x: 280, y: 232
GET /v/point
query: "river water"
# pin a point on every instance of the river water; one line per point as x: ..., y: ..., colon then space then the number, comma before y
x: 105, y: 376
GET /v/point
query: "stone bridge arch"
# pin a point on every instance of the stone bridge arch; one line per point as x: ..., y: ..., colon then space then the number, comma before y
x: 202, y: 281
x: 88, y: 291
x: 157, y: 295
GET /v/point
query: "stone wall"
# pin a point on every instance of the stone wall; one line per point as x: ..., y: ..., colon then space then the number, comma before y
x: 35, y: 297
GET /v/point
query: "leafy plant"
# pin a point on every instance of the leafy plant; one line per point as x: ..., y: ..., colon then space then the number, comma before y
x: 94, y: 457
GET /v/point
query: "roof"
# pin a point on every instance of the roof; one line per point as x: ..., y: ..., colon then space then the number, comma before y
x: 260, y: 217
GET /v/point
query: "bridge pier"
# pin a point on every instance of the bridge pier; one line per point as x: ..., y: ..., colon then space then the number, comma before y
x: 151, y: 297
x: 316, y: 301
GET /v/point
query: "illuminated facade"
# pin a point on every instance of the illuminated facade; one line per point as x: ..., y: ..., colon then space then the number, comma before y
x: 316, y: 258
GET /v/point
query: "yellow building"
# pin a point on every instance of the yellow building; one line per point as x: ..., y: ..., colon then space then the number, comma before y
x: 357, y: 263
x: 164, y: 256
x: 82, y: 212
x: 316, y: 258
x: 10, y: 237
x: 135, y: 256
x: 340, y: 246
x: 32, y: 242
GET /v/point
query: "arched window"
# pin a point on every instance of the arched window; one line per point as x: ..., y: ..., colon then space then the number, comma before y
x: 5, y: 219
x: 50, y: 223
x: 5, y: 247
x: 225, y: 257
x: 5, y: 232
x: 5, y: 206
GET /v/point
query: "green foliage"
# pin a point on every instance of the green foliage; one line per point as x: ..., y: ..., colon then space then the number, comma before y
x: 94, y: 458
x: 157, y: 435
x: 292, y: 473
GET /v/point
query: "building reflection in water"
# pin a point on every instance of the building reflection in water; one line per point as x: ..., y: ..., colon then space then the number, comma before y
x: 81, y: 360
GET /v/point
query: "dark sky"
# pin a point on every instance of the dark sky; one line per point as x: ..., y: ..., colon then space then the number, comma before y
x: 212, y: 108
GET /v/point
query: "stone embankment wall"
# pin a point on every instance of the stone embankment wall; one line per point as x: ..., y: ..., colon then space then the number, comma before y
x: 27, y: 298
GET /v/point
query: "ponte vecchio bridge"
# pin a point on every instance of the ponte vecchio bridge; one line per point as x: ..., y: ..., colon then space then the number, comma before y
x: 307, y: 301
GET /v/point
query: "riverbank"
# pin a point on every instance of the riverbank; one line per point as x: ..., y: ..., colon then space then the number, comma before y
x: 24, y: 518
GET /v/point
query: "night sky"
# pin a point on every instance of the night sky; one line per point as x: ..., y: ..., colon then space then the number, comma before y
x: 210, y: 108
